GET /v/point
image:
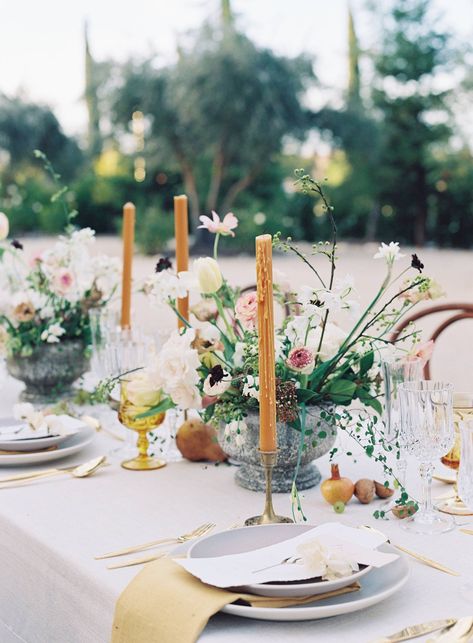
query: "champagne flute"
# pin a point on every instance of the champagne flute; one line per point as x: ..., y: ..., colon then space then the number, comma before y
x: 462, y: 412
x: 395, y: 373
x: 427, y: 427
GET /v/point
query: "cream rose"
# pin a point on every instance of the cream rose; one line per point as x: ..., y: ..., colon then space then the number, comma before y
x: 140, y: 389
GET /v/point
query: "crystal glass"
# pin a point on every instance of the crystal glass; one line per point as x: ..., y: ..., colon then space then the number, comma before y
x: 465, y: 472
x: 397, y: 372
x: 427, y: 428
x: 462, y: 413
x: 128, y: 414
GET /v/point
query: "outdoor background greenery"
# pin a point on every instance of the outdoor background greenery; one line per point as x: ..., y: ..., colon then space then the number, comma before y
x: 225, y: 124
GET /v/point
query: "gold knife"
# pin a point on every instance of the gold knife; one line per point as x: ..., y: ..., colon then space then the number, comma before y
x: 413, y: 631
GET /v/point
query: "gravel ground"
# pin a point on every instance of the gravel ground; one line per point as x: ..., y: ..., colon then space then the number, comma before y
x: 453, y: 269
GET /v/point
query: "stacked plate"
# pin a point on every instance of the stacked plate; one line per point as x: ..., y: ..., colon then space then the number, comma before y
x: 377, y: 584
x: 21, y: 445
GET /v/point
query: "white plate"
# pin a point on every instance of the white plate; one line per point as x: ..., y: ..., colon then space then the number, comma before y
x: 72, y: 445
x: 237, y: 541
x: 17, y: 443
x: 376, y: 586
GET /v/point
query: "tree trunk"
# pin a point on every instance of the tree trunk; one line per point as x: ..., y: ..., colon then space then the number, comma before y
x: 372, y: 222
x: 420, y: 223
x: 218, y: 167
x: 238, y: 187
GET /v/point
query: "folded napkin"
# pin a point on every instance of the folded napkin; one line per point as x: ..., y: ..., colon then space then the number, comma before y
x: 167, y: 604
x: 264, y: 565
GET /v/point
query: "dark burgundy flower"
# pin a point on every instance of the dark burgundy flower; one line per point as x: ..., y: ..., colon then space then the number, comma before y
x: 417, y: 263
x: 216, y: 375
x: 163, y: 264
x: 16, y: 244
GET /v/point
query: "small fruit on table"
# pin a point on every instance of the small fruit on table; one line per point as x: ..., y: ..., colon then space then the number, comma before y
x: 365, y: 490
x: 198, y: 441
x: 339, y: 507
x: 337, y: 489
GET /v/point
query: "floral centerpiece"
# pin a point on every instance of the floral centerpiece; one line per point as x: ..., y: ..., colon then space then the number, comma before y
x: 44, y: 308
x: 328, y: 347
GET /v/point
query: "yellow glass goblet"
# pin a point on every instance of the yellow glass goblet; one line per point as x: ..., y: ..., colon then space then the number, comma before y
x: 127, y: 414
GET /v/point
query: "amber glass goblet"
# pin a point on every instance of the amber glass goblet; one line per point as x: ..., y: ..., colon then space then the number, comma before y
x: 128, y: 415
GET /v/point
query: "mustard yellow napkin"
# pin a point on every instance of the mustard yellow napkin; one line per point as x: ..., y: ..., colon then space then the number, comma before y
x: 167, y: 604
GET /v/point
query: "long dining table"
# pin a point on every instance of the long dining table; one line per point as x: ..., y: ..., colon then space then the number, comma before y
x: 53, y: 591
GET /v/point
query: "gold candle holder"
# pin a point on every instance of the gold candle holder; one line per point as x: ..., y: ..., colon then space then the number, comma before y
x: 268, y: 517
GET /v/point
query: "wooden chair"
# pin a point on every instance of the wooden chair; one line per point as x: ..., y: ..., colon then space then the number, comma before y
x: 460, y: 312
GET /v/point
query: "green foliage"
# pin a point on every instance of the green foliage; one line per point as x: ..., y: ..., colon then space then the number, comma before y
x: 154, y: 229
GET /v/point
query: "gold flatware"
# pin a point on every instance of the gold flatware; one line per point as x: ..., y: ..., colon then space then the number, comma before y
x: 98, y: 426
x: 445, y: 479
x: 7, y: 452
x: 413, y: 631
x: 413, y: 554
x: 196, y: 533
x: 467, y: 531
x: 138, y: 561
x: 460, y: 632
x: 78, y: 471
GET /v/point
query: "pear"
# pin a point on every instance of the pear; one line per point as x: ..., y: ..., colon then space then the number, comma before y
x: 198, y: 441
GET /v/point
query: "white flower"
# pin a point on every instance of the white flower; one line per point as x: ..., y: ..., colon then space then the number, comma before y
x: 328, y: 562
x: 390, y: 253
x: 166, y: 285
x: 4, y: 226
x: 52, y: 334
x: 332, y: 340
x: 208, y: 275
x: 26, y: 412
x: 176, y: 369
x: 236, y: 430
x: 218, y: 388
x: 251, y: 387
x: 312, y: 305
x: 142, y: 389
x: 238, y: 354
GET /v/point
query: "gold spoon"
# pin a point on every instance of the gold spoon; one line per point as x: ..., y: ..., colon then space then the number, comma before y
x: 78, y: 471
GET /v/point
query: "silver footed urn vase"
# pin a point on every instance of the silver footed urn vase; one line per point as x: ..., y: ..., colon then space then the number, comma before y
x: 50, y: 371
x: 243, y: 447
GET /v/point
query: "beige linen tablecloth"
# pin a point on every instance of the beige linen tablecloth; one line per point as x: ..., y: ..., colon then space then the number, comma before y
x: 52, y: 591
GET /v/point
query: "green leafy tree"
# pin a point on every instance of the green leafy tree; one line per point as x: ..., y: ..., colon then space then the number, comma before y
x: 220, y: 114
x: 414, y: 113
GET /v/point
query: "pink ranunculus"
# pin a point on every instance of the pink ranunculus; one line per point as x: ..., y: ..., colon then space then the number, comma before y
x: 216, y: 226
x: 301, y: 359
x: 63, y: 281
x: 246, y: 310
x: 423, y: 350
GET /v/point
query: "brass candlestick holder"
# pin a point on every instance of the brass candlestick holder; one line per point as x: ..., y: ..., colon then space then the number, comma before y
x: 268, y: 517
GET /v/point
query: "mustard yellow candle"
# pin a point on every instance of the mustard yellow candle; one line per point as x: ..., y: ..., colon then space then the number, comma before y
x: 181, y: 227
x: 267, y: 376
x: 128, y: 246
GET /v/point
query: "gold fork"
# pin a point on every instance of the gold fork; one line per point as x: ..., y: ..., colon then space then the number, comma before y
x: 409, y: 552
x: 196, y: 533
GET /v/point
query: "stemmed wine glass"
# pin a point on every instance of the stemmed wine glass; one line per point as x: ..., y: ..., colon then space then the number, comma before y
x: 427, y: 428
x: 396, y: 372
x: 462, y: 412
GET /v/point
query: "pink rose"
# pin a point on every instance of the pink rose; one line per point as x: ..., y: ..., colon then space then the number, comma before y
x: 246, y: 310
x: 423, y: 351
x: 301, y: 359
x: 63, y: 281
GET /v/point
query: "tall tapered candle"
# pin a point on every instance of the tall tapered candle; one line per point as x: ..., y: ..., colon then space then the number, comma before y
x: 181, y: 227
x: 267, y: 377
x: 128, y: 245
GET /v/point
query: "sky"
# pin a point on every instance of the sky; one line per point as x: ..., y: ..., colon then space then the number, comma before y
x: 42, y: 50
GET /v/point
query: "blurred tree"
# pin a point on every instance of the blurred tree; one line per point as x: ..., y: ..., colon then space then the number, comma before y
x: 94, y: 135
x: 220, y: 113
x: 25, y: 127
x: 414, y: 113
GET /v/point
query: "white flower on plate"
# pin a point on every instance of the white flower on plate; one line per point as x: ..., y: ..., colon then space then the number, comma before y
x: 236, y: 430
x: 390, y: 253
x: 25, y: 411
x: 52, y: 334
x: 251, y: 387
x: 325, y: 561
